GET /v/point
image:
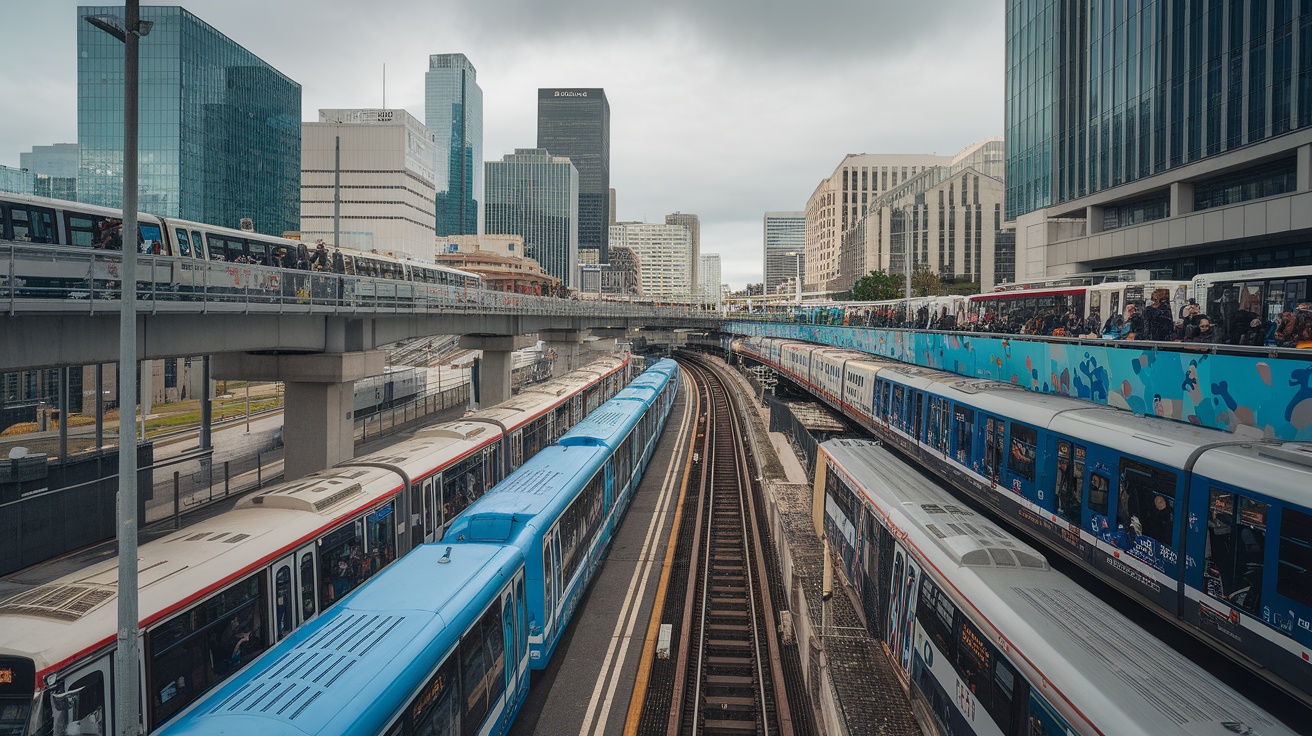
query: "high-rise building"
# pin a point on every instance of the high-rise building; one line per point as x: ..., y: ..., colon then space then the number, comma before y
x: 453, y: 113
x: 18, y: 181
x: 664, y: 253
x: 1158, y: 135
x: 387, y: 187
x: 575, y: 123
x: 948, y: 218
x: 220, y: 128
x: 709, y: 283
x: 534, y: 194
x: 612, y: 206
x: 785, y: 232
x: 841, y: 200
x: 694, y: 225
x: 55, y: 169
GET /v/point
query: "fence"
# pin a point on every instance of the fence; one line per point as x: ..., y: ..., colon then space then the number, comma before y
x: 195, y: 479
x: 387, y: 421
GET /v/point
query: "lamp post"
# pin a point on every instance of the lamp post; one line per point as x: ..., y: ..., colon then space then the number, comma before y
x: 797, y: 281
x: 127, y: 685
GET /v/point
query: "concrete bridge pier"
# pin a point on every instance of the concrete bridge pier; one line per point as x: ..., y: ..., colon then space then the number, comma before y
x: 319, y: 400
x: 494, y: 372
x: 568, y: 347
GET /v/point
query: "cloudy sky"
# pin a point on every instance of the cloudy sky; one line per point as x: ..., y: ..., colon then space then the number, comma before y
x: 725, y: 108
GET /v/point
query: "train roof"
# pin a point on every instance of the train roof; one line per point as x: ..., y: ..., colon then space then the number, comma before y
x: 532, y: 402
x: 531, y: 498
x: 1096, y: 665
x: 67, y: 617
x: 1154, y: 438
x: 351, y: 669
x: 609, y: 424
x: 1276, y: 470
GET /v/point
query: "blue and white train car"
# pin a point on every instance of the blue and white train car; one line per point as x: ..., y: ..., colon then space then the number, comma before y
x: 436, y: 645
x: 990, y: 640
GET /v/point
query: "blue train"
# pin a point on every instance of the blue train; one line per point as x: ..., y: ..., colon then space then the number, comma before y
x: 1210, y: 529
x: 441, y: 642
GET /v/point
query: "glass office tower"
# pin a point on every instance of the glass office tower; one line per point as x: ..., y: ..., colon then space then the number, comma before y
x: 785, y: 232
x: 576, y: 123
x: 220, y: 135
x: 1104, y: 93
x: 535, y: 195
x: 453, y: 112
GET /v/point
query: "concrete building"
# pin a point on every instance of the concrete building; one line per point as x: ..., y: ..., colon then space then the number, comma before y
x: 709, y: 283
x: 575, y: 123
x: 535, y: 195
x: 500, y: 260
x: 220, y: 128
x: 54, y: 168
x: 784, y: 233
x: 694, y: 225
x: 842, y: 199
x: 948, y: 216
x: 612, y: 207
x: 665, y: 252
x: 1185, y: 145
x: 453, y: 113
x: 387, y: 187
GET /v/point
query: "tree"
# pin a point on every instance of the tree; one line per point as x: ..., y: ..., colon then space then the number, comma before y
x: 876, y: 286
x: 755, y: 289
x: 926, y: 283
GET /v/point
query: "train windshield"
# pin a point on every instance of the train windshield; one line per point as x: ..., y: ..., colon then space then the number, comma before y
x: 17, y: 687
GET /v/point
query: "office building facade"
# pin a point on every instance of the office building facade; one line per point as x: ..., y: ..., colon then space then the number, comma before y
x: 664, y: 253
x: 453, y: 113
x: 534, y: 194
x: 694, y: 225
x: 842, y: 199
x: 54, y: 168
x: 575, y: 123
x: 387, y: 181
x: 1158, y: 135
x: 220, y: 128
x: 708, y: 285
x: 784, y: 233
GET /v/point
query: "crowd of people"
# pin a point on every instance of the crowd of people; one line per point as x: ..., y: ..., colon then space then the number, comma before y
x: 1157, y: 321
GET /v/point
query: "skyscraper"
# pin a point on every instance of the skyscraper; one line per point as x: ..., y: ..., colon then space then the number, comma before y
x: 663, y: 253
x: 55, y: 169
x: 536, y: 195
x: 709, y: 275
x: 220, y: 128
x: 1140, y: 135
x: 576, y: 123
x: 785, y: 232
x: 453, y: 112
x: 694, y: 225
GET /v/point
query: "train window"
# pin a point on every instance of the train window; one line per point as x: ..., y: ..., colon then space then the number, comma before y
x: 579, y: 524
x: 435, y: 709
x: 899, y: 407
x: 1146, y: 502
x: 1070, y: 481
x: 937, y: 614
x: 482, y: 668
x: 381, y: 540
x: 196, y: 649
x: 32, y: 224
x: 994, y: 438
x: 1024, y: 446
x: 974, y: 662
x: 82, y: 706
x: 1099, y: 490
x: 184, y: 243
x: 1294, y: 576
x: 1004, y: 695
x: 1236, y: 539
x: 282, y: 601
x: 197, y: 244
x: 150, y: 239
x: 82, y: 229
x: 965, y: 431
x: 340, y: 557
x: 917, y: 415
x: 462, y: 485
x: 308, y: 598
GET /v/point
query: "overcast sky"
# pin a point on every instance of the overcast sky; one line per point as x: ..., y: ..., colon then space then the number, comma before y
x: 725, y: 108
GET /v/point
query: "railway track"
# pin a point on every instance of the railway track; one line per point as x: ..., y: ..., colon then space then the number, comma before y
x: 728, y: 676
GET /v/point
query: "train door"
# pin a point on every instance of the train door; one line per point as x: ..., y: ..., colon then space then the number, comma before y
x: 995, y: 432
x: 293, y: 600
x: 917, y: 415
x: 521, y: 631
x: 433, y: 517
x: 509, y: 654
x: 548, y: 586
x: 81, y: 702
x: 1069, y: 483
x: 516, y: 450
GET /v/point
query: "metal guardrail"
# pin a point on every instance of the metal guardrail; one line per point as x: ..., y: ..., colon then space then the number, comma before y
x: 65, y: 279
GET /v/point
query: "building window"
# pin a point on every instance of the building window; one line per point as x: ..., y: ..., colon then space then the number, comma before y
x: 1279, y: 177
x: 1135, y: 212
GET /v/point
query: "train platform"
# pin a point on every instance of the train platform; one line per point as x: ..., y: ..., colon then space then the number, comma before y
x: 587, y: 687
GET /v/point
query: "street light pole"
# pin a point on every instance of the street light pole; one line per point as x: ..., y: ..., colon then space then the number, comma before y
x: 127, y: 683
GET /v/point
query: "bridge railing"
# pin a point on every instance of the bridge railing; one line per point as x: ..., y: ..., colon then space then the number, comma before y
x: 56, y: 278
